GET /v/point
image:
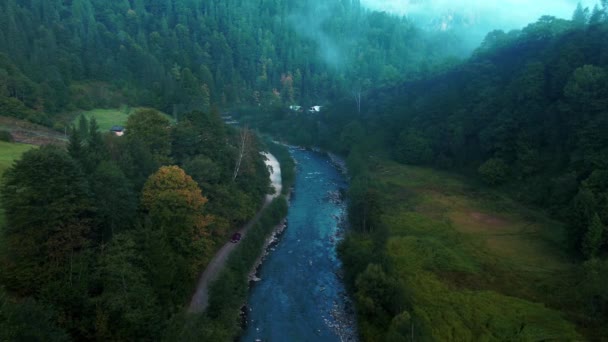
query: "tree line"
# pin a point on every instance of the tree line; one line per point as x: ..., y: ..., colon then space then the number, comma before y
x: 57, y: 56
x: 105, y: 237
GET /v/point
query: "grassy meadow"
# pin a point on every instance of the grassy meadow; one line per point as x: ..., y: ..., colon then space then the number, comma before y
x: 106, y: 118
x: 471, y: 263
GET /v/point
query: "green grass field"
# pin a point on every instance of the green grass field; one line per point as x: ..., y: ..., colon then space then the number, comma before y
x: 106, y: 118
x: 10, y: 152
x: 474, y: 264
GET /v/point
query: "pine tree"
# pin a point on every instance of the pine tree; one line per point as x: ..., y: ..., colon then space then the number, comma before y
x: 580, y: 16
x: 47, y: 203
x: 593, y: 239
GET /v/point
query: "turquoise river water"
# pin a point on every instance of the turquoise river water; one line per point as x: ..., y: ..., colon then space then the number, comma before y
x: 300, y: 296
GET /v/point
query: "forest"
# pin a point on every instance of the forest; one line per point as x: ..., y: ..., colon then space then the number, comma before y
x: 182, y: 55
x: 104, y: 236
x: 525, y: 115
x: 525, y: 112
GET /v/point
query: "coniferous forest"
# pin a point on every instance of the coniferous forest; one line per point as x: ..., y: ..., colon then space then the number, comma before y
x: 179, y: 55
x: 103, y: 237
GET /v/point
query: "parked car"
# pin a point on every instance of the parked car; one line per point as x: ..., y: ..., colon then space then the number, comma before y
x: 236, y: 237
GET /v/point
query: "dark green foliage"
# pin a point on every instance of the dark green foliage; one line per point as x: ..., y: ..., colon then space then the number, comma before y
x: 203, y: 170
x: 19, y: 95
x: 27, y: 321
x: 229, y: 291
x: 377, y: 295
x: 86, y: 144
x: 494, y: 171
x: 76, y: 241
x: 593, y: 238
x: 288, y: 167
x: 593, y: 287
x: 363, y: 207
x: 6, y: 136
x: 414, y: 148
x: 128, y: 307
x: 46, y: 220
x: 178, y: 56
x: 115, y: 200
x: 527, y: 111
x: 352, y: 134
x: 153, y: 131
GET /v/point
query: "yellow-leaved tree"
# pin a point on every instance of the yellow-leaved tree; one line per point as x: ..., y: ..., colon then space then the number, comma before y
x: 174, y: 204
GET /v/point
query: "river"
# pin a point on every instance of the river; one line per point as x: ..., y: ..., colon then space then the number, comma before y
x: 300, y: 296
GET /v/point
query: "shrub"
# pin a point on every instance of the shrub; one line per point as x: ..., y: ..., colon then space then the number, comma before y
x: 6, y: 136
x: 494, y: 171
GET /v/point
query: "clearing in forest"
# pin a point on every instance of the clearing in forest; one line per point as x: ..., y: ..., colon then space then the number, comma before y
x: 472, y: 261
x: 106, y: 118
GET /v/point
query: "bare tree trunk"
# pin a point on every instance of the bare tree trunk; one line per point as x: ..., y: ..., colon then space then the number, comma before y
x: 71, y: 266
x: 412, y: 331
x: 244, y: 140
x: 357, y: 95
x: 124, y: 282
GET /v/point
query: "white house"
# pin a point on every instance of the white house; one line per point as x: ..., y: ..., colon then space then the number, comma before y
x: 315, y: 109
x: 118, y: 130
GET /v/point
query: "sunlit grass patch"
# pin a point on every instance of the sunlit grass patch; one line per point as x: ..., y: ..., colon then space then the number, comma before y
x: 429, y: 253
x: 106, y: 118
x: 425, y: 201
x: 444, y: 313
x: 474, y: 264
x: 414, y: 177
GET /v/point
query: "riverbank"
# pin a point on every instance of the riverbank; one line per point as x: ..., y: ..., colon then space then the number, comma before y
x: 279, y: 228
x: 200, y: 299
x: 300, y: 295
x: 228, y: 292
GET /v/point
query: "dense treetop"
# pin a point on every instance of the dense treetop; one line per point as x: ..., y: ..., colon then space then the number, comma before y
x: 526, y: 114
x: 105, y: 239
x: 180, y: 55
x: 125, y: 223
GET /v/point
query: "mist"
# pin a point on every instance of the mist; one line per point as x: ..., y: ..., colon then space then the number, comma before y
x: 309, y: 24
x: 476, y: 17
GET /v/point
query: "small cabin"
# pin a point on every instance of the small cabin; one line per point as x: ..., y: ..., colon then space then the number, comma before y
x: 315, y: 109
x: 118, y: 130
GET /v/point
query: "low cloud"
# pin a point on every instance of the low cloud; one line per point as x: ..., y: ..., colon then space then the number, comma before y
x: 501, y: 14
x: 309, y: 24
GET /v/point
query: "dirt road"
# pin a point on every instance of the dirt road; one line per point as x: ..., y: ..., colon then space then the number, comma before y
x: 200, y: 300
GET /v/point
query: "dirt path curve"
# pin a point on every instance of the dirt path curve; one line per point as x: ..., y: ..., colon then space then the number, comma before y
x: 200, y: 300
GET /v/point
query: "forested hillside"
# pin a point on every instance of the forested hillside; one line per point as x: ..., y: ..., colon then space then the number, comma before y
x: 105, y: 239
x: 526, y: 111
x: 183, y: 55
x: 526, y: 114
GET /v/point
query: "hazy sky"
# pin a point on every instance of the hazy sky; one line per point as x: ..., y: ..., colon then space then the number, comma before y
x: 504, y: 14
